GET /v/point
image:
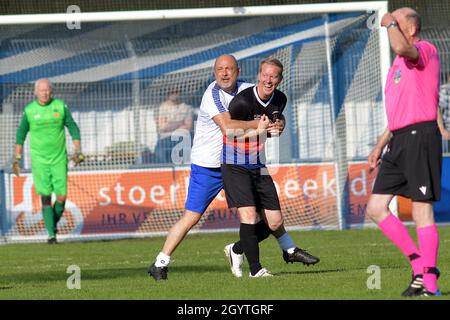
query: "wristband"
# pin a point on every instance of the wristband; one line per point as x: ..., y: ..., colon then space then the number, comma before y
x: 392, y: 24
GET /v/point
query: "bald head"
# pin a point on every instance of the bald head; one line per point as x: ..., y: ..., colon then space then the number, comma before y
x: 226, y: 72
x: 226, y: 58
x: 43, y: 90
x: 408, y: 18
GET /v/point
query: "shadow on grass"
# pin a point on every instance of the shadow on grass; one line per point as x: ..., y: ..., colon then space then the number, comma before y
x: 140, y: 272
x: 6, y: 287
x: 61, y: 275
x: 307, y: 272
x: 99, y: 274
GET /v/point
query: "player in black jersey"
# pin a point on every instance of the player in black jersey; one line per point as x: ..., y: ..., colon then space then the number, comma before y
x: 248, y: 185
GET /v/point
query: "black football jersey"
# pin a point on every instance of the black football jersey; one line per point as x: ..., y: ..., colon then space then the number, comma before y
x: 247, y: 106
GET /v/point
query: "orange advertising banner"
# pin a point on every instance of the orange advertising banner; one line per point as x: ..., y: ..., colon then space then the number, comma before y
x: 152, y: 200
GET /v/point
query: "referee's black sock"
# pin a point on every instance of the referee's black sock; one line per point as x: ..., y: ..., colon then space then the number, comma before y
x: 249, y: 242
x: 262, y: 232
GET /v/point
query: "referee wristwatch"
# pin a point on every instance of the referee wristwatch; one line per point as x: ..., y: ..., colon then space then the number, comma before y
x: 392, y: 24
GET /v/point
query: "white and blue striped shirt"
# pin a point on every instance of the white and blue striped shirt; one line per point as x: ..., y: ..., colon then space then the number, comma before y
x: 207, y: 147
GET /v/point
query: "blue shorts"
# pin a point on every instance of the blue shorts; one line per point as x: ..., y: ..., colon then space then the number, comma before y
x: 204, y: 185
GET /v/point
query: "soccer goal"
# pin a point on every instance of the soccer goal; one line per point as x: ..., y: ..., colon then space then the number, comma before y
x: 114, y: 69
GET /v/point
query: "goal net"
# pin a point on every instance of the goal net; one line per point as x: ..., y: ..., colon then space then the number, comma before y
x: 114, y: 70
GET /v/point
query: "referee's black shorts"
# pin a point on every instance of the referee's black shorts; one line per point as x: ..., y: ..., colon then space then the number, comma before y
x: 249, y: 187
x: 412, y: 164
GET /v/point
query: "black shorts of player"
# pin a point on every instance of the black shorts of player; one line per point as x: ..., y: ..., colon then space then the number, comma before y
x: 249, y: 187
x: 412, y: 164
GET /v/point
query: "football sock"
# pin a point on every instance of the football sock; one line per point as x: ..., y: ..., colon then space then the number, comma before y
x: 162, y: 260
x: 262, y: 232
x: 429, y: 244
x: 49, y: 221
x: 249, y: 242
x: 58, y: 209
x: 395, y: 231
x: 286, y: 243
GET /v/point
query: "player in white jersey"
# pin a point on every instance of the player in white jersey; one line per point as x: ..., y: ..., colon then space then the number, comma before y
x: 207, y: 147
x: 206, y: 178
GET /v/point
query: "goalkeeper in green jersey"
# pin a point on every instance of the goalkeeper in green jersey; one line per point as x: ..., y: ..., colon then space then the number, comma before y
x: 45, y: 119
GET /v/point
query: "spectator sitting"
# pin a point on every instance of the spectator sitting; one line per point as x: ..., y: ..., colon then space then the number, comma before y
x: 173, y: 115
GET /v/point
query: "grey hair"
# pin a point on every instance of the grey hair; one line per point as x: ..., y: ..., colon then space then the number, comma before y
x: 40, y: 80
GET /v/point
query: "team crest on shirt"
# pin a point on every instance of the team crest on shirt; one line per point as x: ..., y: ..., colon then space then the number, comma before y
x: 397, y: 76
x: 56, y: 114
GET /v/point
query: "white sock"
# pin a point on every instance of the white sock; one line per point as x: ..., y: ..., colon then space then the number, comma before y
x: 162, y: 260
x: 286, y: 243
x: 290, y: 250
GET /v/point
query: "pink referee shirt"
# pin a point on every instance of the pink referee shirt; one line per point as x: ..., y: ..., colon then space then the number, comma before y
x: 412, y: 90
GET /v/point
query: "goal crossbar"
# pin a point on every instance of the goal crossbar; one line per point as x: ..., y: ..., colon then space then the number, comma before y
x: 378, y: 6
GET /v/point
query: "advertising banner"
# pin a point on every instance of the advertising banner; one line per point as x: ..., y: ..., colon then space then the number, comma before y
x: 151, y: 200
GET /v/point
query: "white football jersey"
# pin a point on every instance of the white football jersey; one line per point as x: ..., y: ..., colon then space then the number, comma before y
x: 207, y: 147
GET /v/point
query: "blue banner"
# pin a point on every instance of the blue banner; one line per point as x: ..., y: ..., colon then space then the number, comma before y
x: 442, y: 207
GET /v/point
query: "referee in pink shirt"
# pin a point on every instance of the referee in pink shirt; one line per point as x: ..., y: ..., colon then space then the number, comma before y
x: 411, y: 164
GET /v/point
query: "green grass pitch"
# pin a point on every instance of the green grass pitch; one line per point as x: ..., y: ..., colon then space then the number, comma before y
x: 199, y: 269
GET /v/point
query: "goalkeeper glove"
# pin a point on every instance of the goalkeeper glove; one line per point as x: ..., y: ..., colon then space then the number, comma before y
x: 15, y: 165
x: 77, y: 157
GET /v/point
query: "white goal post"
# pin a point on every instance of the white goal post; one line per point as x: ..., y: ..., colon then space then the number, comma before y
x: 377, y: 7
x: 114, y: 74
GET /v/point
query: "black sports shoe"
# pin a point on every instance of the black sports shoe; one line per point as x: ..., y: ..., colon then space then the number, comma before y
x: 425, y: 293
x: 52, y: 241
x: 300, y: 255
x: 158, y: 273
x: 415, y: 287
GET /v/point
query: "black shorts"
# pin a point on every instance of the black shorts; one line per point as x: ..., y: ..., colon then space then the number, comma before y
x: 412, y: 164
x: 249, y: 188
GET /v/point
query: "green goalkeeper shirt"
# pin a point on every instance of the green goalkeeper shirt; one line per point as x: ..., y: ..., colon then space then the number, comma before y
x: 47, y: 135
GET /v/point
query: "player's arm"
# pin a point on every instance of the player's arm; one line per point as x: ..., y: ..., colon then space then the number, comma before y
x: 276, y: 128
x: 71, y: 125
x: 243, y: 134
x: 375, y: 156
x: 18, y: 153
x: 228, y: 123
x: 74, y: 131
x: 261, y: 131
x: 21, y: 134
x: 225, y: 123
x: 398, y: 42
x: 222, y: 117
x: 241, y: 129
